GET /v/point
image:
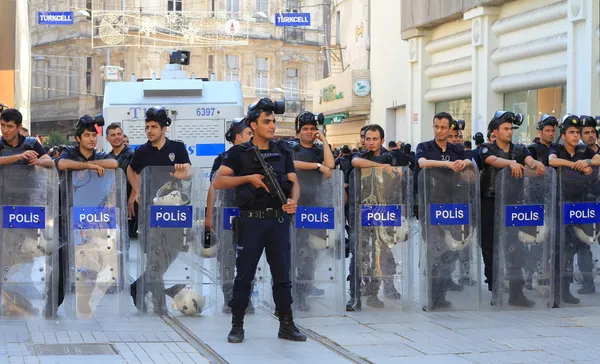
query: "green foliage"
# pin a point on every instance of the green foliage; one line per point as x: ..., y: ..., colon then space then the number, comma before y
x: 55, y: 138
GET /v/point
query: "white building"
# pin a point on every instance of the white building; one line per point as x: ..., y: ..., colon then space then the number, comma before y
x: 527, y: 56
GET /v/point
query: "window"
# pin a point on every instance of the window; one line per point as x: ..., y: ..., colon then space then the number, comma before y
x: 88, y: 75
x: 292, y: 5
x: 292, y: 84
x: 73, y: 76
x: 532, y: 104
x: 459, y: 109
x: 174, y: 5
x: 262, y: 5
x: 233, y: 5
x: 232, y: 73
x: 262, y: 77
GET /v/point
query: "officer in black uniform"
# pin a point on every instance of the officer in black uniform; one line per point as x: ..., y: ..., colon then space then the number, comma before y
x: 239, y: 132
x: 264, y: 222
x: 502, y: 153
x: 16, y: 148
x: 84, y: 156
x: 158, y: 151
x: 375, y: 156
x: 441, y: 153
x: 589, y: 134
x: 123, y: 155
x: 318, y: 159
x: 580, y: 158
x: 546, y: 127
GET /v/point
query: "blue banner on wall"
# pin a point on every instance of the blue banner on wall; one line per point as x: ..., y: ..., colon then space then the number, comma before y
x: 292, y: 19
x: 55, y: 17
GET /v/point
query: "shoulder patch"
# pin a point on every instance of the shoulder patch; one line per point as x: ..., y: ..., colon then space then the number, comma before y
x: 484, y: 149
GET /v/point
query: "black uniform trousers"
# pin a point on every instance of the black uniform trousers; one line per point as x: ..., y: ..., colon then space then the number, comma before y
x: 488, y: 212
x: 272, y: 236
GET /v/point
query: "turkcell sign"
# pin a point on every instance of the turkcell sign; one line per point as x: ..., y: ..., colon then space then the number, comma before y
x: 55, y: 17
x: 94, y: 218
x: 171, y: 216
x: 581, y: 213
x: 449, y: 214
x: 292, y: 19
x: 24, y: 217
x: 524, y: 215
x: 381, y: 215
x: 310, y: 217
x: 228, y: 214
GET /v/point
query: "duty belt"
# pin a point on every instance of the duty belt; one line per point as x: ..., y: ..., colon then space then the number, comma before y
x: 263, y: 214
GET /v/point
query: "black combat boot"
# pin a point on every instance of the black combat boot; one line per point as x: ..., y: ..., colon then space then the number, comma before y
x: 236, y: 335
x: 567, y: 297
x: 516, y: 296
x: 287, y: 329
x: 588, y: 285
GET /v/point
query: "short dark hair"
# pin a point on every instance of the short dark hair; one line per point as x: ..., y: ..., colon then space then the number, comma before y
x: 468, y: 144
x: 364, y: 128
x: 113, y: 126
x: 392, y: 144
x: 443, y: 115
x: 86, y: 127
x: 375, y: 127
x: 12, y: 115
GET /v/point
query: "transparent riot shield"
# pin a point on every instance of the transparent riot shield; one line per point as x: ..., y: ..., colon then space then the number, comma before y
x: 383, y: 211
x: 524, y: 237
x: 318, y: 280
x: 94, y: 210
x: 170, y: 263
x: 450, y: 262
x: 29, y: 242
x: 579, y: 235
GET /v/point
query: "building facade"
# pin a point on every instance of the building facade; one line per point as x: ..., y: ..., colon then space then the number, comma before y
x: 472, y: 58
x: 277, y: 62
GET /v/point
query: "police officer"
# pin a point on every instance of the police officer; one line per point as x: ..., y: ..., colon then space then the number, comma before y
x: 84, y: 156
x: 239, y: 132
x: 502, y: 153
x: 317, y: 160
x: 158, y: 151
x: 589, y: 134
x: 580, y: 158
x: 478, y: 139
x: 540, y: 150
x: 374, y: 157
x: 16, y: 148
x: 264, y: 222
x: 441, y: 153
x: 123, y: 155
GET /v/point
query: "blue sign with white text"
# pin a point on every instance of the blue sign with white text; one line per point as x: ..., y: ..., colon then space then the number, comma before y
x: 581, y: 213
x: 524, y: 215
x: 171, y: 216
x: 309, y: 217
x: 381, y: 215
x: 88, y: 218
x: 228, y: 214
x: 292, y: 19
x: 449, y: 214
x: 55, y: 17
x: 24, y: 217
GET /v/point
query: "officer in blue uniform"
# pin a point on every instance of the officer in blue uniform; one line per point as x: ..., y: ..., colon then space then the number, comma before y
x: 17, y: 149
x: 589, y: 133
x: 318, y: 159
x: 264, y: 223
x: 580, y: 158
x: 158, y: 151
x: 441, y: 153
x: 502, y: 153
x: 540, y: 150
x: 239, y: 132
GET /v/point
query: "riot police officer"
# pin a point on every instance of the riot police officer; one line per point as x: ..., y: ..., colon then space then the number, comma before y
x: 239, y: 132
x: 589, y: 133
x: 540, y: 150
x: 580, y: 158
x: 316, y: 159
x: 502, y: 153
x: 16, y: 148
x: 264, y: 222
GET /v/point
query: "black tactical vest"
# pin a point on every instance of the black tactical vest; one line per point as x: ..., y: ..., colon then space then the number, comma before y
x: 541, y: 151
x: 488, y: 179
x: 6, y: 150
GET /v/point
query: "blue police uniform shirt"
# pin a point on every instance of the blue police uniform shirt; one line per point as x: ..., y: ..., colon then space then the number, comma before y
x: 173, y: 152
x: 37, y: 147
x: 431, y: 151
x: 73, y: 153
x: 123, y: 158
x: 582, y: 152
x: 216, y: 165
x: 310, y: 155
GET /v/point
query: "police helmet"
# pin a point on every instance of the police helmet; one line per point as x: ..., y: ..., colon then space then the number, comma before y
x: 588, y: 121
x: 88, y: 122
x: 308, y: 118
x: 501, y: 117
x: 478, y: 138
x: 547, y: 120
x: 265, y: 104
x: 568, y: 121
x: 158, y: 114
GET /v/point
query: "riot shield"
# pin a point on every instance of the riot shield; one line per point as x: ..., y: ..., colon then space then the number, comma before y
x: 524, y: 237
x: 450, y: 262
x: 170, y: 264
x: 94, y: 210
x: 383, y: 239
x: 579, y: 232
x: 29, y: 242
x: 317, y: 254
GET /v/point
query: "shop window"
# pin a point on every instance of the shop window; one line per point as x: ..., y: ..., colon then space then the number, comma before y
x: 533, y: 104
x: 459, y: 109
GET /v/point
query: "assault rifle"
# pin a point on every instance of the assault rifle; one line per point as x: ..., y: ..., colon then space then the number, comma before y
x: 270, y: 180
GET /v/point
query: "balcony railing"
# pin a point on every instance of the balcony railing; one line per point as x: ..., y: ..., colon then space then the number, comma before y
x: 293, y: 35
x: 294, y: 106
